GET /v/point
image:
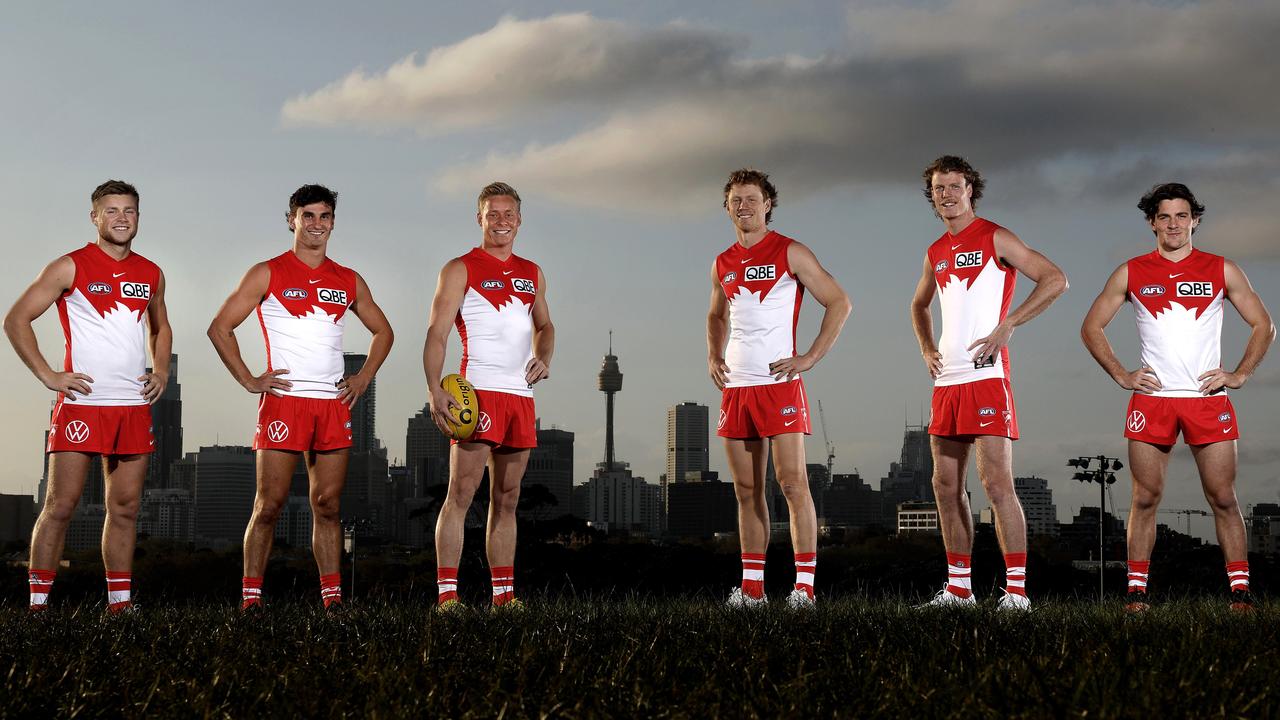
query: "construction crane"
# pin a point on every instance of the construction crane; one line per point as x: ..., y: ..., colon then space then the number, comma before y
x: 831, y: 449
x: 1188, y: 514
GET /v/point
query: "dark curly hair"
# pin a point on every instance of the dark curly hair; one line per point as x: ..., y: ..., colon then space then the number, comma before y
x: 953, y: 163
x: 1150, y: 202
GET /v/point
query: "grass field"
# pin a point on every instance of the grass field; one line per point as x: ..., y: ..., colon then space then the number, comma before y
x: 677, y: 658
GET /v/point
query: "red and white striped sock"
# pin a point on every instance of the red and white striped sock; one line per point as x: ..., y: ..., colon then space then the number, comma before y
x: 250, y: 592
x: 1138, y: 573
x: 118, y: 590
x: 446, y: 584
x: 958, y: 570
x: 504, y: 590
x: 41, y: 582
x: 806, y: 566
x: 1238, y: 575
x: 331, y: 589
x: 1015, y: 573
x: 753, y: 574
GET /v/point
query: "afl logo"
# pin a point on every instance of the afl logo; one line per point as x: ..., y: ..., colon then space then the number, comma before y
x: 76, y: 431
x: 277, y: 431
x: 729, y: 277
x: 986, y: 412
x: 295, y: 294
x: 99, y: 288
x: 1137, y: 421
x: 789, y: 410
x: 942, y: 266
x: 484, y: 423
x: 1224, y: 417
x: 1151, y: 290
x: 492, y: 285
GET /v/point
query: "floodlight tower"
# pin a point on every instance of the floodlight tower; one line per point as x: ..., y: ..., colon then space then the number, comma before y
x: 609, y: 382
x: 1104, y: 476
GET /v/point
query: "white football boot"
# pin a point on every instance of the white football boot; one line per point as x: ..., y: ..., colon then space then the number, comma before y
x: 739, y: 599
x: 946, y: 599
x: 800, y: 600
x: 1019, y: 603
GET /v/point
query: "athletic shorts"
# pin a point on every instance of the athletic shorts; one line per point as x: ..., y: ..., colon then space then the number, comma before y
x: 101, y: 429
x: 1202, y: 420
x: 981, y: 407
x: 506, y: 420
x: 300, y: 423
x: 761, y: 411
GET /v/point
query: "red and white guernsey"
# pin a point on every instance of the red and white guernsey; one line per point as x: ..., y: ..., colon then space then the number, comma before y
x: 495, y: 322
x: 303, y: 315
x: 102, y: 320
x: 1178, y: 307
x: 764, y: 306
x: 975, y: 290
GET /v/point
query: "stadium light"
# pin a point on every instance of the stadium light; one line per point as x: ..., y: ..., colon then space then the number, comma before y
x: 1104, y: 477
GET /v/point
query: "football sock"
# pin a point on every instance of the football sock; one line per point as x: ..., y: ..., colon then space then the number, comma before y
x: 958, y: 581
x: 41, y: 582
x: 753, y: 574
x: 806, y: 566
x: 118, y: 587
x: 1015, y: 571
x: 331, y: 589
x: 250, y: 592
x: 446, y: 584
x: 503, y: 584
x: 1138, y: 570
x: 1238, y: 575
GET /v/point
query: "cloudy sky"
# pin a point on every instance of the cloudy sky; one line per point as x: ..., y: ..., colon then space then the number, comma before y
x: 618, y: 126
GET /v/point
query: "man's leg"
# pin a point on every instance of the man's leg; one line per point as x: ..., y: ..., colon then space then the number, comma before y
x: 748, y: 460
x: 67, y: 473
x: 950, y: 458
x: 1148, y: 465
x: 506, y: 469
x: 124, y: 477
x: 995, y: 469
x: 1217, y: 465
x: 793, y: 478
x: 275, y: 471
x: 466, y: 468
x: 327, y: 471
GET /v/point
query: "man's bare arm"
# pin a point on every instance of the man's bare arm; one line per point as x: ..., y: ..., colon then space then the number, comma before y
x: 1092, y: 332
x: 1050, y: 282
x: 222, y: 332
x: 717, y: 331
x: 351, y: 388
x: 450, y: 289
x: 49, y: 285
x: 824, y: 288
x: 922, y: 320
x: 1262, y: 332
x: 160, y: 337
x: 544, y: 336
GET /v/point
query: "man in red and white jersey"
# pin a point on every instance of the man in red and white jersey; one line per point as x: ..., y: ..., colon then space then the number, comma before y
x: 498, y: 302
x: 1177, y: 293
x: 972, y: 270
x: 103, y: 291
x: 301, y: 298
x: 756, y: 289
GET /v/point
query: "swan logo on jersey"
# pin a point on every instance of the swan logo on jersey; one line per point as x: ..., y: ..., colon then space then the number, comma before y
x: 1224, y: 417
x: 76, y: 431
x: 135, y: 290
x: 277, y: 431
x: 99, y: 288
x: 333, y: 297
x: 941, y: 267
x: 522, y: 285
x: 760, y: 272
x: 1195, y: 289
x: 729, y: 277
x: 294, y: 294
x: 1137, y: 421
x: 1151, y: 290
x: 492, y: 285
x: 969, y: 259
x: 789, y: 410
x: 986, y: 412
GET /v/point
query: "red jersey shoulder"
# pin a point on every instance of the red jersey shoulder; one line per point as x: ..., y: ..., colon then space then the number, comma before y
x: 106, y: 282
x: 500, y: 282
x: 1193, y: 283
x: 757, y: 268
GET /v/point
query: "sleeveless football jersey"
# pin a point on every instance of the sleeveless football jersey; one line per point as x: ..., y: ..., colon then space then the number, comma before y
x: 1178, y: 308
x: 303, y: 315
x: 102, y: 320
x: 495, y: 322
x: 764, y: 305
x: 975, y: 291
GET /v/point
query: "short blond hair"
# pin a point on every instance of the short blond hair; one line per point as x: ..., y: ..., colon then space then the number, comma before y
x: 497, y: 189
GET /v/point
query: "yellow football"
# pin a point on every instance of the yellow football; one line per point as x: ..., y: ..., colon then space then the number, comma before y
x: 465, y: 395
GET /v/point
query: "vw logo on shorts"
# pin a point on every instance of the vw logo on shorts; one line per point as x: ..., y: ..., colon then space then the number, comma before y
x: 483, y: 424
x: 1137, y: 421
x: 76, y: 431
x: 277, y: 431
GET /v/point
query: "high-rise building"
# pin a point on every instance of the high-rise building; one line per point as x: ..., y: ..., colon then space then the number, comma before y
x: 426, y: 452
x: 1037, y: 505
x: 167, y: 513
x: 701, y: 508
x: 609, y: 382
x: 850, y: 502
x: 224, y: 479
x: 917, y: 516
x: 910, y: 479
x: 618, y: 500
x: 551, y: 466
x: 166, y: 430
x: 1264, y: 528
x: 363, y: 431
x: 687, y: 432
x: 17, y: 517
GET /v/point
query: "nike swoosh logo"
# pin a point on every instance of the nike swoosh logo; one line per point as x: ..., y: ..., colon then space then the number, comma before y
x: 1174, y: 275
x: 744, y: 262
x: 1224, y: 432
x: 789, y: 424
x: 116, y: 275
x: 985, y: 424
x: 313, y: 282
x: 507, y: 272
x: 953, y: 247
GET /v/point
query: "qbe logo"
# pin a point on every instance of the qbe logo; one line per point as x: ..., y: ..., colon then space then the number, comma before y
x: 135, y: 290
x: 484, y: 423
x: 1224, y: 417
x: 1195, y: 289
x: 729, y: 277
x: 277, y: 431
x: 294, y: 294
x: 1137, y: 421
x: 333, y: 297
x: 942, y: 266
x: 760, y: 272
x: 521, y: 285
x: 789, y: 411
x: 492, y: 285
x: 986, y: 412
x: 1151, y: 290
x: 99, y: 288
x: 76, y: 431
x: 969, y: 259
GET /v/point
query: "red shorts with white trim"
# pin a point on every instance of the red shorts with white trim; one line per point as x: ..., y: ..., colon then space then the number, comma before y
x: 981, y: 407
x: 1202, y: 420
x: 299, y: 423
x: 101, y: 429
x: 761, y: 411
x: 506, y: 420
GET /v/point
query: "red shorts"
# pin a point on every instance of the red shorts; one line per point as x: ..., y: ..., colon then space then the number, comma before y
x: 1202, y: 420
x: 981, y: 407
x: 299, y: 423
x: 506, y: 420
x: 761, y: 411
x: 101, y: 429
